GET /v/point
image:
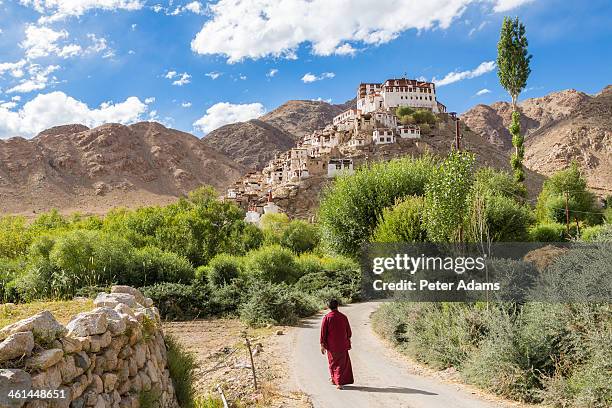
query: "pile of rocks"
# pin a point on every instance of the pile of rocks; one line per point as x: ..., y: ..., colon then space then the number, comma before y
x: 106, y: 358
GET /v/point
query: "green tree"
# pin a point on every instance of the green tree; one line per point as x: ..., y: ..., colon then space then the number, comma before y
x: 513, y: 70
x: 446, y: 197
x: 402, y: 222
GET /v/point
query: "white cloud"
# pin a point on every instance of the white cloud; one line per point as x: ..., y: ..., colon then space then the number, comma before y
x: 134, y: 26
x: 157, y: 8
x: 13, y: 68
x: 272, y: 73
x: 224, y: 113
x: 483, y: 92
x: 57, y: 108
x: 182, y: 79
x: 149, y: 100
x: 213, y: 75
x: 480, y: 27
x: 16, y: 98
x: 308, y: 78
x: 8, y: 105
x: 99, y: 44
x: 186, y: 104
x: 319, y: 99
x: 242, y: 77
x: 38, y: 79
x: 59, y: 9
x: 42, y: 42
x: 170, y: 74
x: 456, y: 76
x: 506, y: 5
x: 240, y: 29
x: 195, y: 7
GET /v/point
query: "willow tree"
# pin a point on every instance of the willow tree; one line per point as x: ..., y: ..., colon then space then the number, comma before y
x: 513, y: 70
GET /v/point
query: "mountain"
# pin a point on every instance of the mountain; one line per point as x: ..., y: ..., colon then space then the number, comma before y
x: 255, y: 142
x: 492, y: 121
x: 74, y: 168
x: 585, y: 135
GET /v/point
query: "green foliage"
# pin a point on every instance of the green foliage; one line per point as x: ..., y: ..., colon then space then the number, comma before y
x: 547, y: 232
x: 513, y: 58
x: 352, y: 205
x: 177, y: 301
x: 14, y: 236
x: 402, y: 222
x: 150, y: 265
x: 273, y: 225
x: 502, y: 218
x: 182, y: 365
x: 403, y: 111
x: 598, y: 233
x: 491, y: 181
x: 446, y: 197
x: 516, y: 160
x: 208, y: 401
x: 567, y: 185
x: 425, y: 117
x: 223, y: 269
x: 273, y: 264
x: 269, y: 303
x: 300, y: 236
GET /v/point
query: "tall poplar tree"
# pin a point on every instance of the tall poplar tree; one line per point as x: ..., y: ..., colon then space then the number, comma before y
x: 513, y: 70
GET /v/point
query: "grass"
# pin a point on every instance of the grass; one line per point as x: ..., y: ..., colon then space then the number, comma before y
x: 181, y: 364
x: 63, y: 311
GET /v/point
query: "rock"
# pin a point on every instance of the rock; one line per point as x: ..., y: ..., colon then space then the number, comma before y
x: 88, y: 324
x: 82, y: 360
x: 45, y: 359
x: 124, y: 309
x: 279, y: 333
x: 97, y: 385
x: 109, y: 380
x: 100, y: 341
x: 131, y: 291
x: 71, y: 345
x: 16, y: 345
x: 50, y: 379
x: 100, y: 403
x: 113, y: 299
x: 77, y: 403
x: 70, y: 370
x: 13, y: 380
x: 42, y: 325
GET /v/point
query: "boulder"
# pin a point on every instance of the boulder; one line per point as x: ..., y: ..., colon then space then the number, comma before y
x: 13, y: 380
x: 16, y: 345
x: 88, y: 324
x: 130, y: 291
x: 109, y: 380
x: 71, y: 345
x: 45, y: 359
x: 113, y: 299
x: 42, y: 325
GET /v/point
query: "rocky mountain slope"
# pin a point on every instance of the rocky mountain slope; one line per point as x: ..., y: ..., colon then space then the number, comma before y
x: 559, y: 127
x: 255, y: 142
x: 75, y: 168
x: 584, y: 135
x: 492, y: 121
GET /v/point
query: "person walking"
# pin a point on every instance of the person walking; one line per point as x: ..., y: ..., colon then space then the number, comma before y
x: 336, y: 341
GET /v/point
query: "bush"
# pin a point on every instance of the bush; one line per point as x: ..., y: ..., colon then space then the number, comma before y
x: 425, y: 116
x: 308, y: 263
x: 351, y: 207
x: 598, y: 233
x: 492, y: 181
x: 152, y: 265
x: 402, y: 222
x: 177, y: 301
x: 14, y: 237
x: 548, y: 232
x: 506, y: 220
x: 182, y: 365
x: 300, y: 236
x: 273, y: 264
x: 273, y: 225
x: 223, y: 269
x: 269, y: 303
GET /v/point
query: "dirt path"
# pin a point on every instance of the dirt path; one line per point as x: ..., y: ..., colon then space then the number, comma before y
x: 383, y: 377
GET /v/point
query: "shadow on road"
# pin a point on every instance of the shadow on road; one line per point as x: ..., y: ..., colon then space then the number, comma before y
x: 390, y: 390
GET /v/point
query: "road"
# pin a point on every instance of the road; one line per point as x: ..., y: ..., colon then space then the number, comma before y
x: 382, y: 377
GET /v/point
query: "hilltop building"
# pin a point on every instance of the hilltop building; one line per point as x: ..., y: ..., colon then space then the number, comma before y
x: 330, y: 151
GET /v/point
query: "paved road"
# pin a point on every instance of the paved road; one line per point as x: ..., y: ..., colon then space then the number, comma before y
x: 382, y: 378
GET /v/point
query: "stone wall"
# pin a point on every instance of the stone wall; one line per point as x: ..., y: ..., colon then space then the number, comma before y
x: 106, y: 358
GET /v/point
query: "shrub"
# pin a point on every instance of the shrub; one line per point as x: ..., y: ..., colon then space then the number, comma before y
x: 548, y: 232
x: 177, y: 301
x: 300, y: 236
x: 279, y: 304
x: 351, y: 207
x: 225, y: 300
x: 492, y: 181
x: 14, y: 237
x: 425, y: 116
x: 223, y: 269
x: 403, y: 111
x: 506, y: 219
x: 182, y: 365
x: 273, y: 225
x: 273, y: 264
x: 402, y: 222
x: 152, y: 265
x: 346, y: 283
x: 308, y: 263
x: 598, y: 233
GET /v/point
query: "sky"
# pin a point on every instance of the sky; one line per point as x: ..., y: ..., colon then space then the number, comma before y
x: 197, y: 65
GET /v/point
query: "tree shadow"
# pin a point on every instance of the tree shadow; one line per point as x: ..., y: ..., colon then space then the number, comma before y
x: 390, y: 390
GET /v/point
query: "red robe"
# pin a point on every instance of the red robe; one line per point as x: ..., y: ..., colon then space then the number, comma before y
x: 336, y: 339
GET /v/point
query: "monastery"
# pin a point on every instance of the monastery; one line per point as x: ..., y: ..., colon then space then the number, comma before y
x: 329, y: 152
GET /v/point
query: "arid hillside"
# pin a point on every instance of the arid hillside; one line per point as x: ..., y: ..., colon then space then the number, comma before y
x: 255, y: 142
x: 74, y: 168
x: 584, y: 136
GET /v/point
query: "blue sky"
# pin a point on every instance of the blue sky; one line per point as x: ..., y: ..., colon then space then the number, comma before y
x: 196, y: 65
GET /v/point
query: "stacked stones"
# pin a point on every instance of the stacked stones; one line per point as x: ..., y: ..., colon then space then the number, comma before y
x: 106, y: 358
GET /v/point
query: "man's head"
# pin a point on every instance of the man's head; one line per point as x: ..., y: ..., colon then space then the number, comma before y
x: 333, y: 304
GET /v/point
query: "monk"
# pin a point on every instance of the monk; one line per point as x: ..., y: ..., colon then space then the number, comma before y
x: 336, y: 341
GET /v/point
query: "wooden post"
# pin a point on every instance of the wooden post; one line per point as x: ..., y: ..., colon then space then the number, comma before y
x: 220, y: 391
x: 457, y: 135
x: 248, y: 344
